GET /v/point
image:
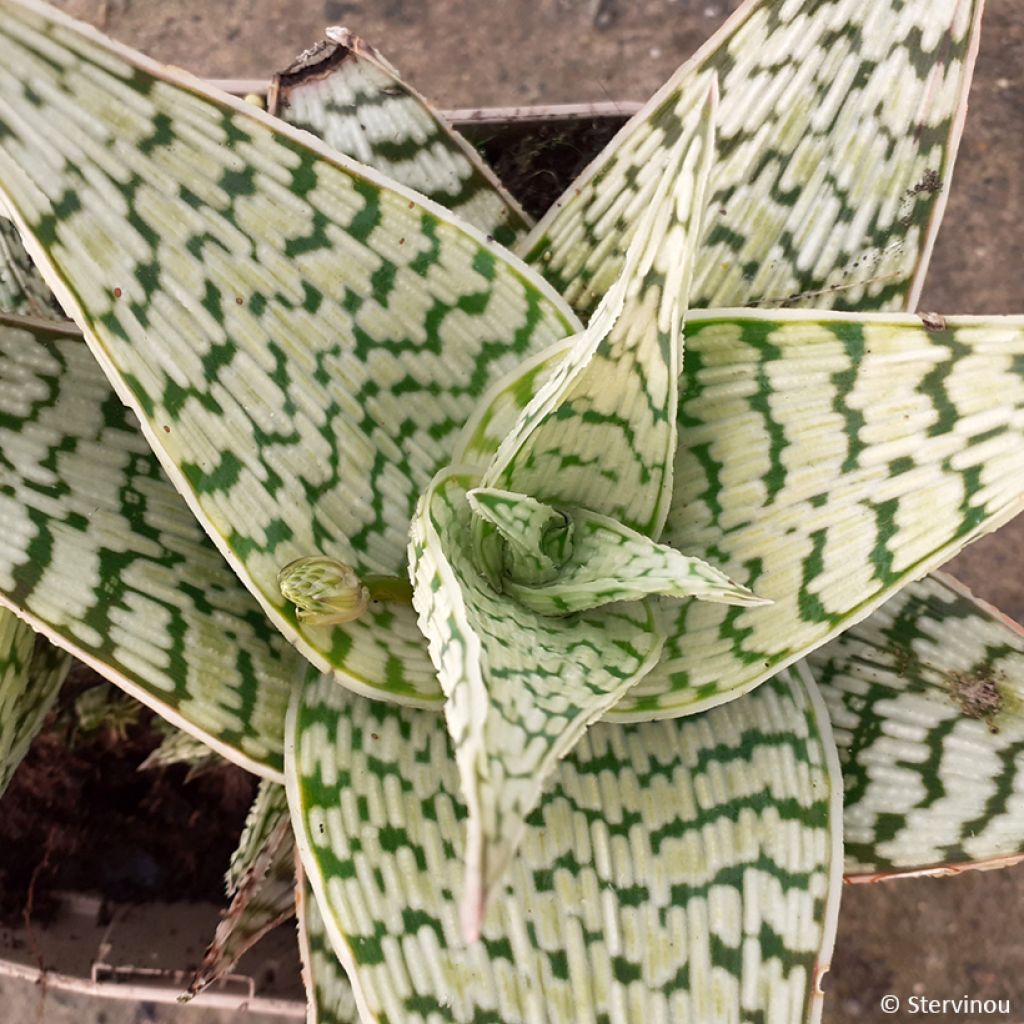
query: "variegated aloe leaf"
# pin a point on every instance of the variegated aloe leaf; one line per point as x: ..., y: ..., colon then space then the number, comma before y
x: 31, y: 674
x: 655, y: 882
x: 601, y: 433
x: 180, y: 747
x: 300, y: 338
x: 838, y: 128
x: 22, y: 290
x: 824, y: 461
x: 926, y: 699
x: 261, y: 881
x: 521, y: 687
x: 346, y: 93
x: 329, y: 996
x: 100, y: 553
x: 268, y: 810
x: 589, y: 560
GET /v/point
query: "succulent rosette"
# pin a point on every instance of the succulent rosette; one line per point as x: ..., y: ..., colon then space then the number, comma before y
x: 564, y: 573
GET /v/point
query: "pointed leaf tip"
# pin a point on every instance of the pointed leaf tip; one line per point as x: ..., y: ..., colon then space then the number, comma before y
x: 521, y: 687
x: 560, y: 561
x: 601, y: 433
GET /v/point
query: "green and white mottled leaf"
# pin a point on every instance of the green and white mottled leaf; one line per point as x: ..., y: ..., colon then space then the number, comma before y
x: 329, y: 996
x: 31, y: 674
x: 601, y: 433
x: 346, y: 93
x: 301, y: 339
x: 261, y: 881
x: 536, y: 539
x: 180, y: 747
x: 656, y: 881
x: 22, y: 290
x: 521, y: 687
x: 926, y: 699
x: 837, y: 131
x: 824, y: 461
x: 100, y: 553
x: 269, y: 809
x: 599, y: 560
x: 502, y: 405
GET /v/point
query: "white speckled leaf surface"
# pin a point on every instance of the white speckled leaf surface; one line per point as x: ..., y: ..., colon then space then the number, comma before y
x: 838, y: 127
x: 926, y: 699
x: 655, y: 880
x: 31, y: 674
x: 300, y: 340
x: 346, y: 93
x: 101, y: 553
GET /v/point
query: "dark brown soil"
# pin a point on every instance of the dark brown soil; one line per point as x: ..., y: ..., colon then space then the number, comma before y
x: 537, y: 162
x: 80, y: 815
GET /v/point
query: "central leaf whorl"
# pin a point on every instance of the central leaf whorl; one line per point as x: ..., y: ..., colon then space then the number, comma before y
x: 559, y: 561
x: 519, y: 539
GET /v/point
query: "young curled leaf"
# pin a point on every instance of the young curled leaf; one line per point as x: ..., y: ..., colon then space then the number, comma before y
x: 521, y: 687
x: 599, y: 561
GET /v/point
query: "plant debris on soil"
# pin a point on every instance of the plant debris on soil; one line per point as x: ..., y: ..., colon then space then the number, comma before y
x: 79, y: 815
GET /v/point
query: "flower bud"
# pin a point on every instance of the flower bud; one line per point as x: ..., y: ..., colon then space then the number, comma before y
x: 326, y: 592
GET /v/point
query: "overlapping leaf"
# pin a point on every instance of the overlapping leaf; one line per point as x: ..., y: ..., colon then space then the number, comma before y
x: 590, y: 560
x: 838, y: 128
x: 261, y: 882
x: 521, y: 687
x: 31, y: 674
x: 329, y: 996
x: 180, y: 747
x: 268, y: 810
x: 99, y: 552
x: 346, y: 93
x: 656, y: 881
x: 300, y: 339
x: 926, y: 699
x: 823, y: 462
x: 782, y: 196
x: 22, y: 290
x: 601, y: 433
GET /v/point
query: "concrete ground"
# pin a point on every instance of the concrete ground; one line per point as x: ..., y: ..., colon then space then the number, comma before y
x: 943, y: 937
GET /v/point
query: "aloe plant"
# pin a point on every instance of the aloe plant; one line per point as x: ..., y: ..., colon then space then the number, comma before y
x: 565, y: 586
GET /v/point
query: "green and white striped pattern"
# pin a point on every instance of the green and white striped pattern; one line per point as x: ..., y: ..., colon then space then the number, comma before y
x: 346, y: 93
x: 329, y: 997
x: 521, y: 687
x: 602, y: 561
x: 535, y: 539
x: 300, y: 339
x: 22, y: 291
x: 31, y: 674
x: 100, y: 553
x: 837, y: 131
x: 824, y: 460
x: 601, y: 433
x: 269, y: 808
x: 262, y: 883
x: 180, y: 747
x: 926, y: 699
x: 657, y: 880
